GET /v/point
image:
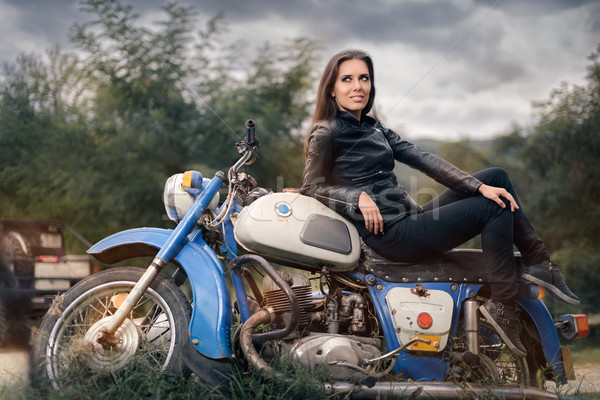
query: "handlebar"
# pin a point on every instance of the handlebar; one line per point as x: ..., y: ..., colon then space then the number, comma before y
x: 251, y: 140
x: 247, y: 146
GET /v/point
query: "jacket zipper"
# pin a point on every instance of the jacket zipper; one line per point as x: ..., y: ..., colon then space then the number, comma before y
x: 332, y: 199
x: 414, y: 203
x: 367, y: 177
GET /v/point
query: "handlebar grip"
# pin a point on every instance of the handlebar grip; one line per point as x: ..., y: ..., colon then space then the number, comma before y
x: 250, y: 133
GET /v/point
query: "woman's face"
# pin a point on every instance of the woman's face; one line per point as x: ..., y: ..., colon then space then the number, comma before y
x: 352, y: 86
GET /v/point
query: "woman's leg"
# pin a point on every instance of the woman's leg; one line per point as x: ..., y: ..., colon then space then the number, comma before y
x: 438, y: 230
x: 539, y: 269
x: 444, y: 228
x: 532, y: 248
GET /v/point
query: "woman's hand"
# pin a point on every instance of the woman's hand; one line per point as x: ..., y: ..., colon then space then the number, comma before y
x: 495, y: 193
x: 369, y: 210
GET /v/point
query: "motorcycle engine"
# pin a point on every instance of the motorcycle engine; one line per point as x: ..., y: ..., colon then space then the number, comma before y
x: 335, y: 355
x: 276, y: 298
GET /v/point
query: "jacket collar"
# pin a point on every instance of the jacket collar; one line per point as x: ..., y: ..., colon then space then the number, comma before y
x: 350, y: 119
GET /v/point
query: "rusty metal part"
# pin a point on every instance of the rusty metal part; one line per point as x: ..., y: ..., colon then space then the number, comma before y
x: 262, y: 316
x: 132, y: 298
x: 420, y: 291
x: 107, y: 340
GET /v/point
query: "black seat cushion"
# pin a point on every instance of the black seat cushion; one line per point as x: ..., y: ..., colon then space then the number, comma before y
x: 458, y: 265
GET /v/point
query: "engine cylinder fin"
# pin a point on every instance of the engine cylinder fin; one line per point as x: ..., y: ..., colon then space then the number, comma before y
x: 279, y: 302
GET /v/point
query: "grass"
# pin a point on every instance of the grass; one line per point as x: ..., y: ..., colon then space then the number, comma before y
x: 143, y: 384
x: 146, y: 385
x: 589, y: 355
x: 138, y: 384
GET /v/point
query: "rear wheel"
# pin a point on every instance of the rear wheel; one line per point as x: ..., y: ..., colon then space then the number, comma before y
x: 540, y: 372
x: 511, y: 368
x: 66, y: 351
x: 497, y: 364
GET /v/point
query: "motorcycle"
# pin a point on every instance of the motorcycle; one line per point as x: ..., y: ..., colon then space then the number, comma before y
x: 366, y: 325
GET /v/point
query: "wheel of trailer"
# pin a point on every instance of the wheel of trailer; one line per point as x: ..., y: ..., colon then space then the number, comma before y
x: 20, y: 255
x: 4, y: 326
x: 66, y: 351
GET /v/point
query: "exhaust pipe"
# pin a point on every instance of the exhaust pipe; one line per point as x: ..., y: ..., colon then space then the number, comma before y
x: 472, y: 325
x: 262, y: 316
x: 427, y: 390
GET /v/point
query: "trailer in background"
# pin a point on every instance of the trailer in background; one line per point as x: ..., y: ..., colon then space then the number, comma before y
x: 34, y: 270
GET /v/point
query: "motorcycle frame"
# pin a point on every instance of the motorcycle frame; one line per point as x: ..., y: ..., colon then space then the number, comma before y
x: 428, y: 367
x: 210, y: 322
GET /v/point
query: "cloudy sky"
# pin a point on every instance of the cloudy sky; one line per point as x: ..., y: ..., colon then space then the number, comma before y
x: 445, y: 69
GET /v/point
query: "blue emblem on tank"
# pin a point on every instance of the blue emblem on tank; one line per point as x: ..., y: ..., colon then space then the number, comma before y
x: 283, y: 209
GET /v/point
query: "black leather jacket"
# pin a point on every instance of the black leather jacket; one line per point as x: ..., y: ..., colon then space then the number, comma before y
x: 346, y: 157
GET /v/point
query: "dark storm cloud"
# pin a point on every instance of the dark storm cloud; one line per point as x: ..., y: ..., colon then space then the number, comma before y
x: 412, y: 22
x: 443, y: 65
x: 460, y: 28
x: 594, y: 17
x: 534, y: 7
x: 425, y: 27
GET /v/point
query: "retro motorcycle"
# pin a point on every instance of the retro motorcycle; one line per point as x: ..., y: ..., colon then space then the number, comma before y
x: 366, y: 325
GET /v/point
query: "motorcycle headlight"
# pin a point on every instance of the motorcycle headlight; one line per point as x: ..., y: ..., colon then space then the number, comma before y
x: 181, y: 190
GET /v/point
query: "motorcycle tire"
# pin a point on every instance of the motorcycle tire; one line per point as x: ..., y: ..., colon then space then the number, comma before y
x: 540, y: 372
x: 498, y: 363
x: 512, y: 369
x: 65, y: 352
x: 20, y: 255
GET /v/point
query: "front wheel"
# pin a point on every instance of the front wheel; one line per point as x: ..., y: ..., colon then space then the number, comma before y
x: 66, y: 350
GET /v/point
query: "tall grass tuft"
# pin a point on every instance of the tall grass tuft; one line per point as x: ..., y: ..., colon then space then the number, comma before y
x: 140, y: 383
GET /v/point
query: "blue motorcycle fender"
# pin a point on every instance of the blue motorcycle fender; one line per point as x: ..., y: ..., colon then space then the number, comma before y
x: 210, y: 322
x: 548, y: 334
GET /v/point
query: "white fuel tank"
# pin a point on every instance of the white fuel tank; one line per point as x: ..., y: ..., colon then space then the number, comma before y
x: 290, y: 227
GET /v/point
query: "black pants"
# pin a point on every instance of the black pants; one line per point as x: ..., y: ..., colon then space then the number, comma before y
x: 451, y: 219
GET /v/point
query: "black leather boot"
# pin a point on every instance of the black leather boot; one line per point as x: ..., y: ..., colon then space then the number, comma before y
x: 547, y: 275
x: 505, y: 318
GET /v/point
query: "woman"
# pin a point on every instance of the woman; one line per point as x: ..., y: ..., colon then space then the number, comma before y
x: 349, y: 167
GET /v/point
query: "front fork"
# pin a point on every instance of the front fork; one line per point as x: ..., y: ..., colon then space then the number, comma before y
x: 470, y: 309
x: 106, y: 336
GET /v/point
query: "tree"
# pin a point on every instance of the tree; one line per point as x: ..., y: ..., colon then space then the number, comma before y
x: 95, y: 136
x: 40, y: 109
x: 273, y: 93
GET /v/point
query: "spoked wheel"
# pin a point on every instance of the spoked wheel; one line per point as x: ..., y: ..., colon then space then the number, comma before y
x: 67, y: 351
x: 497, y: 363
x: 512, y: 369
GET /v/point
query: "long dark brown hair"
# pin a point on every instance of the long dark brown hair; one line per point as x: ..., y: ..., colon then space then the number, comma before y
x: 325, y: 107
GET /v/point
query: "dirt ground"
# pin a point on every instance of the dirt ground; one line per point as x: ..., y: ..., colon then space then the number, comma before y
x: 587, y: 380
x: 14, y: 367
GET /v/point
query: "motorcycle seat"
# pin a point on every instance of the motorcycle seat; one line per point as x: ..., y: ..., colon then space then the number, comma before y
x: 458, y: 265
